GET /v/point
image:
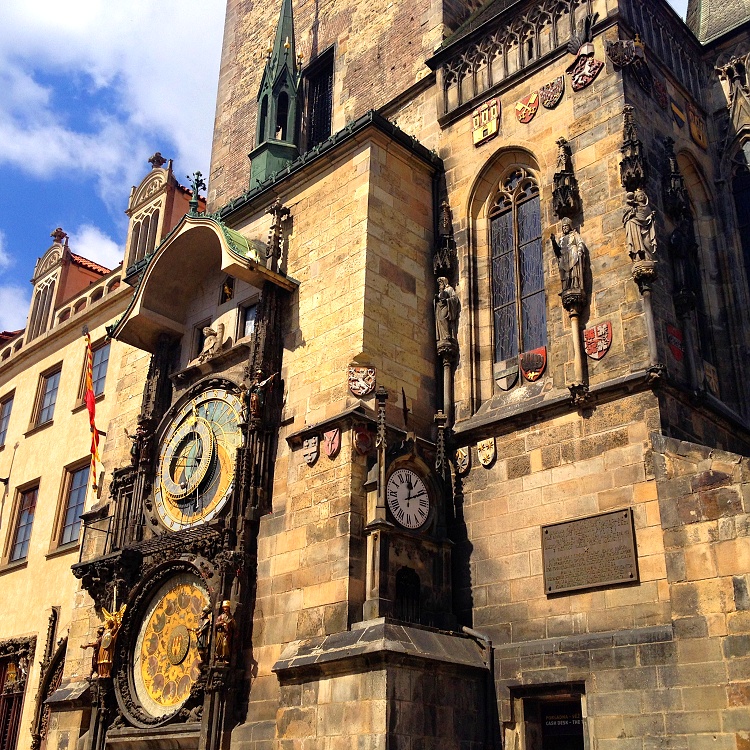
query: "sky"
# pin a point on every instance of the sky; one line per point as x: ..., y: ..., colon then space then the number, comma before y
x: 89, y: 90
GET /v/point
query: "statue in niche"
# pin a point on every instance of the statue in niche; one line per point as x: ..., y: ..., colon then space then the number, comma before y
x: 640, y: 231
x: 447, y: 309
x: 203, y: 632
x: 255, y: 395
x: 96, y: 644
x: 571, y: 253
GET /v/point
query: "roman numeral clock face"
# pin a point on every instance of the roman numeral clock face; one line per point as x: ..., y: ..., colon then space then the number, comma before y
x: 408, y: 499
x: 197, y: 456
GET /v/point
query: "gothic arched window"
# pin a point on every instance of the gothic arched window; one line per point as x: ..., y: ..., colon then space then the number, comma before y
x: 518, y: 301
x: 741, y: 191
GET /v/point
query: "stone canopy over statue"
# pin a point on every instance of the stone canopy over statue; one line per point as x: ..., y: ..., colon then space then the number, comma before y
x: 571, y: 253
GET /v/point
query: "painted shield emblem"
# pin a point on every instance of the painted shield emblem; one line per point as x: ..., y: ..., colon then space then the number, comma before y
x: 311, y: 449
x: 597, y: 340
x: 712, y: 377
x: 674, y: 339
x: 551, y: 93
x: 361, y: 380
x: 526, y: 108
x: 584, y: 72
x: 332, y: 442
x: 485, y: 121
x: 660, y: 93
x: 678, y: 113
x: 697, y: 127
x: 620, y: 52
x: 533, y: 363
x: 486, y: 451
x: 363, y: 441
x: 463, y: 460
x: 506, y: 373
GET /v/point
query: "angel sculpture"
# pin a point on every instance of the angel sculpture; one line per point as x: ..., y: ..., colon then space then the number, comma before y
x: 113, y: 621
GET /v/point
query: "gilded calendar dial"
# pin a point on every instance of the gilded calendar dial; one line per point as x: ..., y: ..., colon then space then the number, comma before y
x: 165, y: 661
x: 196, y: 464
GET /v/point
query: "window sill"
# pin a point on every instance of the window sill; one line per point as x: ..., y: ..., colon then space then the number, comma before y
x: 82, y: 404
x: 63, y: 549
x: 15, y: 565
x: 38, y: 428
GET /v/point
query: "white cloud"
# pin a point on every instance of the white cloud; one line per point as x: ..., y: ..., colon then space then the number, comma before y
x: 151, y: 68
x: 5, y: 259
x: 93, y: 244
x: 14, y: 307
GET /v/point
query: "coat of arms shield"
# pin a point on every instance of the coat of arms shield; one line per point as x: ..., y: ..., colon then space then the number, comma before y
x: 526, y: 108
x: 332, y: 442
x: 534, y: 363
x: 311, y: 449
x: 551, y: 93
x: 486, y: 451
x: 598, y: 339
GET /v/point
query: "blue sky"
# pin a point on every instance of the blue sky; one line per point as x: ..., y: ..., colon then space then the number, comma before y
x: 89, y: 89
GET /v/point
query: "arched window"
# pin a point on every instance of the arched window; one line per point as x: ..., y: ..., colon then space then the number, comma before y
x: 518, y: 301
x: 134, y: 237
x: 282, y: 113
x: 741, y: 191
x: 40, y: 312
x: 143, y: 239
x: 262, y: 135
x: 152, y: 232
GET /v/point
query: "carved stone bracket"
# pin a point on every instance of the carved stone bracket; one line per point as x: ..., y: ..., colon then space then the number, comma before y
x: 566, y: 198
x: 110, y: 577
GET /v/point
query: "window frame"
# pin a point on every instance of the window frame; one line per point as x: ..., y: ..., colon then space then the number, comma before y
x: 11, y: 539
x: 506, y: 200
x: 8, y: 397
x: 312, y: 73
x: 242, y: 309
x: 44, y: 378
x: 95, y: 347
x: 63, y: 504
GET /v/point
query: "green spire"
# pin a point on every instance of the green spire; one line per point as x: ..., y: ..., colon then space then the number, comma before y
x: 279, y: 106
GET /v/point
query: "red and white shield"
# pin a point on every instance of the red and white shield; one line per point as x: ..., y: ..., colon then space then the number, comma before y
x: 363, y: 441
x: 534, y: 363
x: 332, y: 442
x: 598, y: 339
x: 551, y: 93
x: 674, y: 339
x: 526, y: 108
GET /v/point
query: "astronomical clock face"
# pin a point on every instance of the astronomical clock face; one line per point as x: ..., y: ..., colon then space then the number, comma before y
x: 165, y: 661
x: 408, y: 498
x: 195, y: 473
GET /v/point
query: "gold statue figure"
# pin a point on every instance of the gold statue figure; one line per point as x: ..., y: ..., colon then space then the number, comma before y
x: 225, y: 627
x: 113, y: 621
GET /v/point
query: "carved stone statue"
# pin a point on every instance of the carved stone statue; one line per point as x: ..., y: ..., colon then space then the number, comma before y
x: 447, y: 309
x: 640, y: 232
x: 225, y: 629
x: 256, y: 393
x: 113, y: 621
x: 203, y: 632
x: 212, y: 343
x: 96, y: 645
x: 140, y: 450
x: 571, y: 253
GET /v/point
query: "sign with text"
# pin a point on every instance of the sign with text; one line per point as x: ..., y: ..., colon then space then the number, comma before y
x: 589, y: 552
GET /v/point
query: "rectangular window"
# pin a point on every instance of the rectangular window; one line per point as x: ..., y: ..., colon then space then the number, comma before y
x: 247, y: 322
x: 74, y: 499
x: 6, y: 405
x: 319, y: 105
x: 24, y: 521
x: 99, y: 377
x: 45, y: 406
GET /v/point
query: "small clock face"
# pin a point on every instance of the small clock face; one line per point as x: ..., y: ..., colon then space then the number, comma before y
x: 408, y: 499
x: 165, y: 661
x: 195, y: 473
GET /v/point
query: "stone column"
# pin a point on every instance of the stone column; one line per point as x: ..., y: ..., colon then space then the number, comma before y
x: 574, y: 300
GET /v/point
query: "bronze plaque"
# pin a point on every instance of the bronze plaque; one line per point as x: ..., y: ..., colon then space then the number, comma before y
x: 589, y: 552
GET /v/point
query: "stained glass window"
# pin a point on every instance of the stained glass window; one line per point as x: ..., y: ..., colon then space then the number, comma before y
x: 518, y: 301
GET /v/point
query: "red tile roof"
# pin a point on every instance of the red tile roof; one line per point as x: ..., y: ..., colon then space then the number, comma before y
x: 79, y: 260
x: 8, y: 335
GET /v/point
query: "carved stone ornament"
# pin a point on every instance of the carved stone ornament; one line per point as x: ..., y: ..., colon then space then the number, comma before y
x: 486, y: 451
x: 361, y: 380
x: 526, y: 108
x: 621, y: 52
x: 332, y: 442
x: 572, y: 255
x: 659, y: 92
x: 363, y: 441
x: 534, y: 363
x: 447, y: 309
x: 551, y: 93
x: 311, y: 449
x: 698, y: 131
x: 640, y: 229
x: 584, y: 72
x: 463, y: 460
x: 632, y: 164
x: 485, y: 121
x: 598, y: 339
x: 675, y: 342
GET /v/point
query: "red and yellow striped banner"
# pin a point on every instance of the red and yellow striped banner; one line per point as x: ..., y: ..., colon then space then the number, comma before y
x: 90, y: 399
